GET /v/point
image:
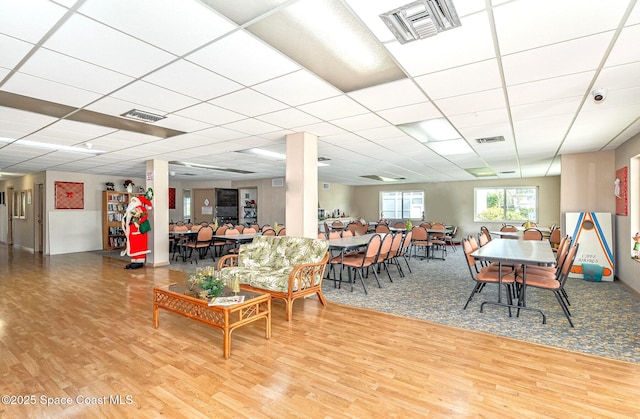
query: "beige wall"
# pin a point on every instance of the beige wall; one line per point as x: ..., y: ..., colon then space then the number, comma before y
x: 452, y: 202
x: 270, y: 200
x: 336, y: 197
x: 627, y: 269
x: 587, y: 182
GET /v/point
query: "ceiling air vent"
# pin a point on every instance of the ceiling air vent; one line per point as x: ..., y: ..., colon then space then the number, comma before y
x: 143, y: 116
x: 489, y: 140
x: 421, y: 19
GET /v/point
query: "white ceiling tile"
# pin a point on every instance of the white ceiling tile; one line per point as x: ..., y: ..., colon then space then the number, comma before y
x: 550, y: 89
x: 246, y: 59
x: 536, y: 134
x: 106, y: 47
x: 30, y: 119
x: 568, y: 105
x: 192, y: 80
x: 412, y: 113
x: 60, y: 68
x: 619, y: 77
x: 26, y: 85
x: 475, y: 102
x: 479, y: 118
x: 389, y: 95
x: 248, y: 102
x: 211, y: 114
x: 252, y: 127
x: 381, y: 133
x: 222, y: 134
x: 29, y: 20
x: 192, y: 23
x: 466, y: 44
x: 360, y: 122
x: 516, y: 21
x: 76, y: 130
x: 289, y: 118
x: 471, y: 78
x: 626, y: 49
x: 180, y: 123
x: 634, y: 17
x: 547, y: 62
x: 334, y: 108
x: 297, y: 88
x: 321, y: 129
x: 595, y: 128
x: 155, y: 97
x: 13, y: 50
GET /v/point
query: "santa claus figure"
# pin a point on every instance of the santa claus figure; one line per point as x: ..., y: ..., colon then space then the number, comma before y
x: 136, y: 225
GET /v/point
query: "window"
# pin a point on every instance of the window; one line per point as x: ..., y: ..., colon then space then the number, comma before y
x: 402, y: 204
x: 506, y: 204
x: 186, y: 204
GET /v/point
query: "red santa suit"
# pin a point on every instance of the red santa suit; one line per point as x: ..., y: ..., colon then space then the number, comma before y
x: 135, y: 224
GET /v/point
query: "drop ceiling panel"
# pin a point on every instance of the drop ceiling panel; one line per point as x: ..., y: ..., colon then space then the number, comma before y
x: 106, y: 47
x: 412, y: 113
x: 221, y: 134
x: 389, y: 95
x: 619, y: 77
x: 60, y: 68
x: 192, y: 80
x: 540, y: 133
x: 29, y: 20
x: 192, y: 24
x: 471, y: 78
x: 181, y: 123
x: 26, y: 85
x: 467, y: 44
x: 211, y: 114
x: 247, y: 60
x: 297, y: 88
x: 252, y: 127
x: 360, y: 122
x: 248, y: 102
x: 321, y: 129
x: 475, y: 102
x: 334, y: 108
x: 547, y: 108
x: 116, y: 107
x: 550, y: 89
x: 517, y: 21
x: 480, y: 118
x: 13, y: 50
x: 289, y: 118
x: 152, y: 96
x: 547, y: 62
x: 380, y: 133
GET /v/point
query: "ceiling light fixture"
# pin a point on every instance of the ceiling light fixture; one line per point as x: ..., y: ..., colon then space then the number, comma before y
x: 421, y: 19
x: 50, y: 146
x: 438, y: 129
x: 382, y: 178
x: 270, y: 155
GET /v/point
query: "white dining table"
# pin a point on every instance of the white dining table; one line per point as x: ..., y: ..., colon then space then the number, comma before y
x: 345, y: 244
x: 516, y: 252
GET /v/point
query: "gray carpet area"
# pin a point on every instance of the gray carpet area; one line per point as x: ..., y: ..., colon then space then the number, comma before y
x: 605, y: 314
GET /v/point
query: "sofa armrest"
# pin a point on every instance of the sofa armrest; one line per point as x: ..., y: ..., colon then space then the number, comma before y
x: 227, y: 261
x: 306, y: 274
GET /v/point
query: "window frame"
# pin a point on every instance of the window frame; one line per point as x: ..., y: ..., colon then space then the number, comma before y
x: 504, y: 218
x: 402, y: 198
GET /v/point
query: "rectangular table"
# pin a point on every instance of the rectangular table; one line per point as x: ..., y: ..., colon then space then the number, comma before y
x: 516, y: 252
x: 345, y: 244
x: 178, y: 299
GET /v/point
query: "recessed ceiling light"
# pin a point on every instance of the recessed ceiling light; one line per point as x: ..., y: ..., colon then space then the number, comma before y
x: 449, y: 148
x: 206, y: 166
x: 438, y: 129
x: 481, y: 172
x: 382, y: 178
x: 270, y: 155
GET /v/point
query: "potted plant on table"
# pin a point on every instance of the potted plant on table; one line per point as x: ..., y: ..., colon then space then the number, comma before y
x: 209, y: 283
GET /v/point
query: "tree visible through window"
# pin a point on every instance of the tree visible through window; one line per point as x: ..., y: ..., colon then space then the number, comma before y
x: 402, y: 204
x: 506, y: 204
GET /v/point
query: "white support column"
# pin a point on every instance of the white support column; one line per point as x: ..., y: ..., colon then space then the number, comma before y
x: 301, y: 217
x: 157, y: 178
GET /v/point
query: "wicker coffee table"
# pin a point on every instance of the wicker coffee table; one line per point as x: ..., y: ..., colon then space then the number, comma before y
x: 177, y: 299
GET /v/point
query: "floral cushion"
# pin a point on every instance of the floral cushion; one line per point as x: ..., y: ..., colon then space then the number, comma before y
x: 267, y: 262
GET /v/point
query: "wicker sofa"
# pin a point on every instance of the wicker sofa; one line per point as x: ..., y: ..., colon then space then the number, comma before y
x: 285, y: 267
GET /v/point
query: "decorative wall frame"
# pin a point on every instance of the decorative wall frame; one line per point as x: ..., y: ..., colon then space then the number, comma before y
x: 172, y: 198
x: 69, y: 195
x: 622, y: 198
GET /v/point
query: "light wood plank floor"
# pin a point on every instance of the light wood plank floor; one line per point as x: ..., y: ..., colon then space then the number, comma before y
x: 79, y: 326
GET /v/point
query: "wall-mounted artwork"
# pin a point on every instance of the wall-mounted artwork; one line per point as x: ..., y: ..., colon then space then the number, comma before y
x: 172, y: 198
x: 69, y: 195
x: 620, y: 190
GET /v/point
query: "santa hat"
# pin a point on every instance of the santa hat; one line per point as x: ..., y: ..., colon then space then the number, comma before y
x: 144, y: 201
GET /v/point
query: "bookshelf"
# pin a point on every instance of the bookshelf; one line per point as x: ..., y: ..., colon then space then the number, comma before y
x: 114, y: 205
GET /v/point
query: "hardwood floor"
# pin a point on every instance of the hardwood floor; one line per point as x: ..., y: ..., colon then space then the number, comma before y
x: 79, y: 326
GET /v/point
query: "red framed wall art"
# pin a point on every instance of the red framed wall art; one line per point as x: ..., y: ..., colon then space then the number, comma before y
x: 69, y: 195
